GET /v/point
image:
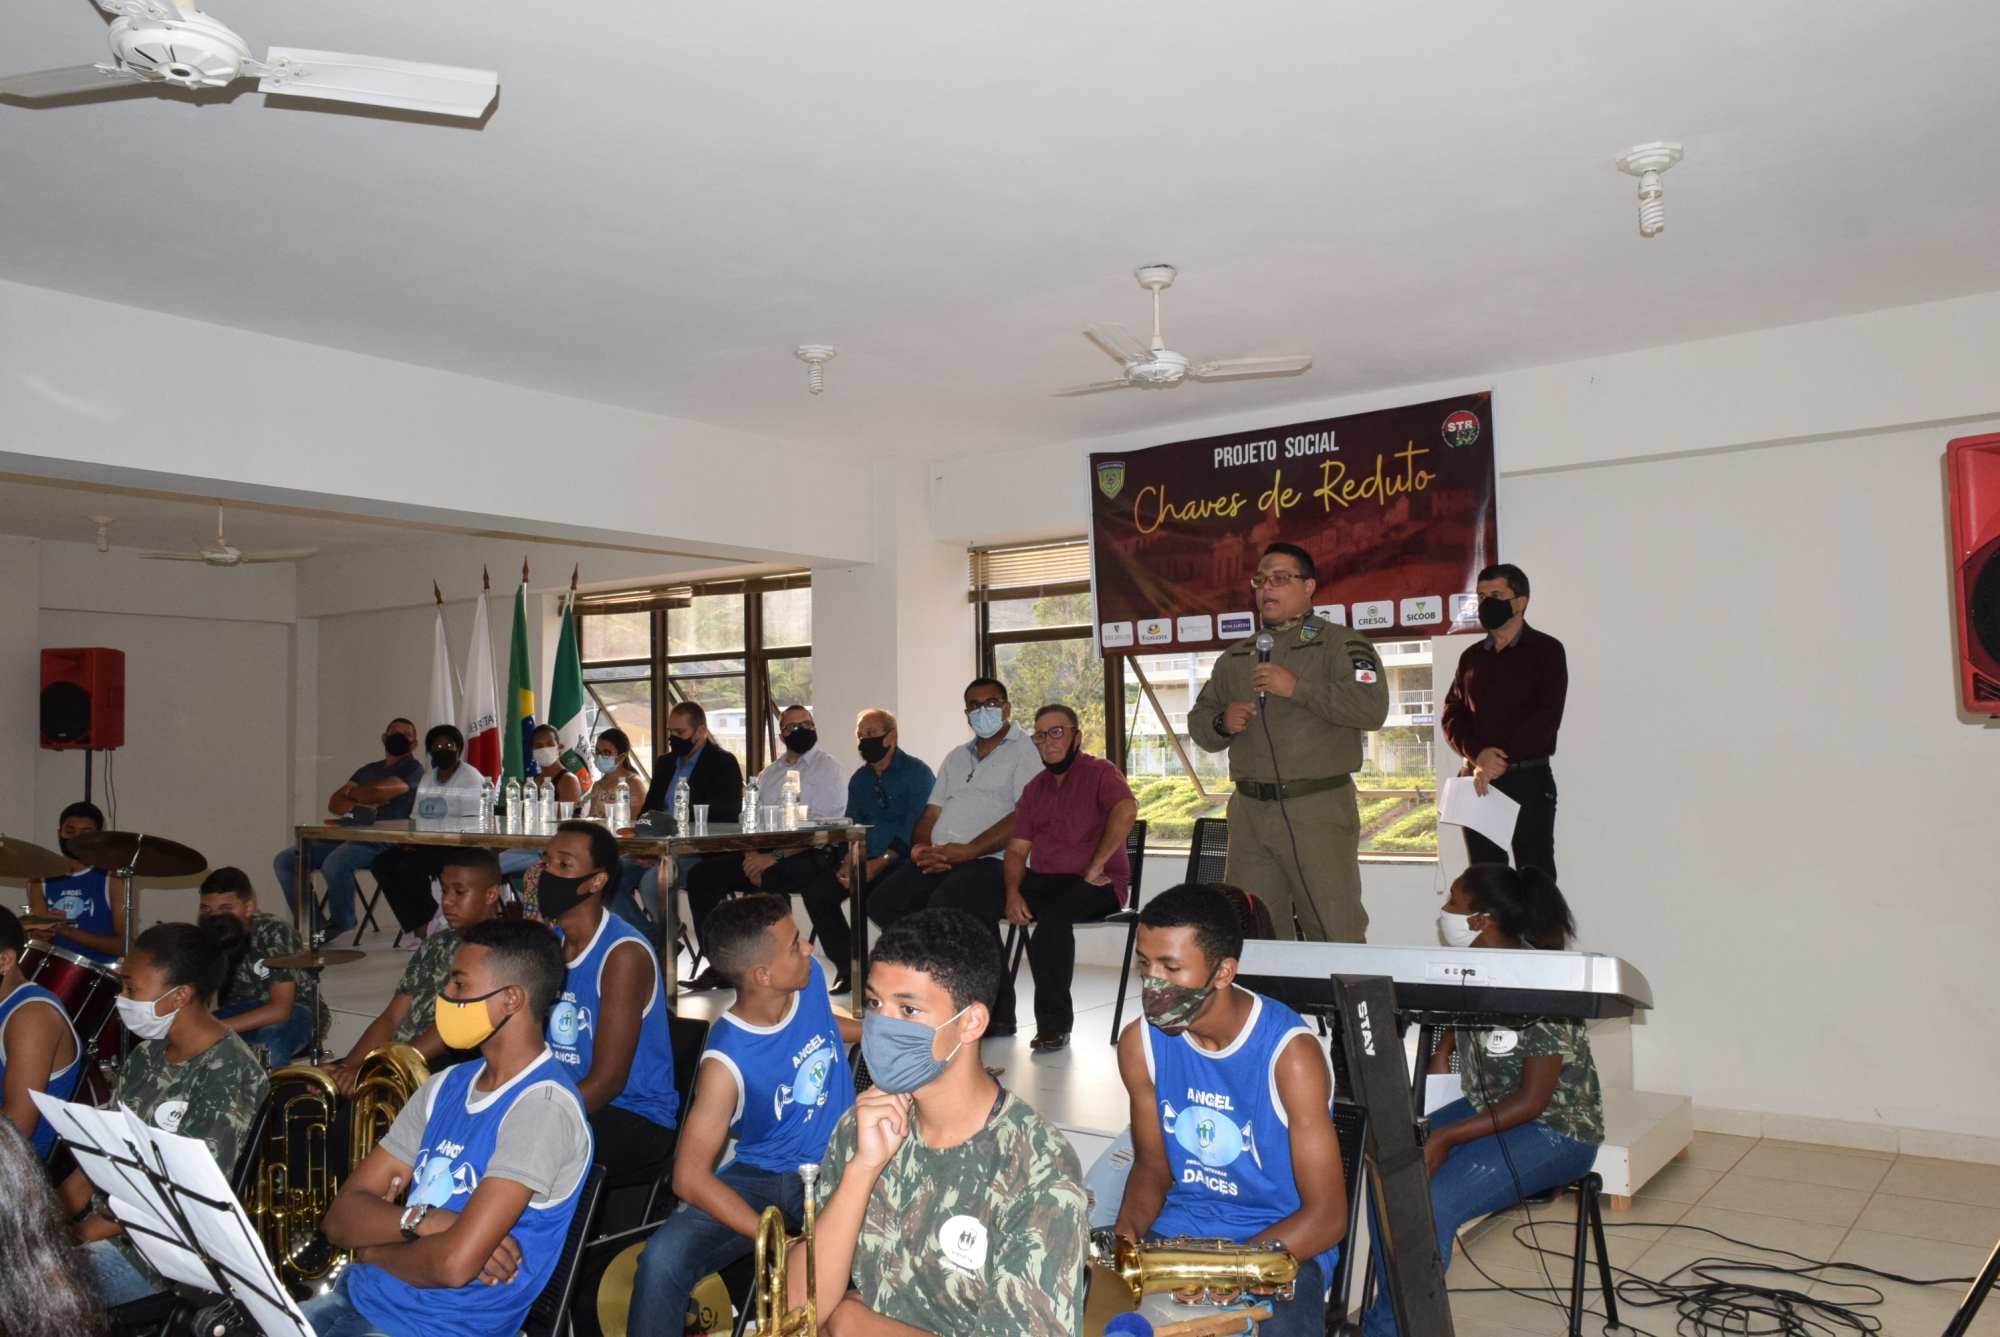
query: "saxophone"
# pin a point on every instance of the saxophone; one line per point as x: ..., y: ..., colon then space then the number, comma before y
x: 1213, y: 1272
x: 775, y: 1317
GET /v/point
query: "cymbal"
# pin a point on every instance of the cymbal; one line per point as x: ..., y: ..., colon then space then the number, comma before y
x: 18, y: 858
x: 148, y: 856
x: 320, y: 960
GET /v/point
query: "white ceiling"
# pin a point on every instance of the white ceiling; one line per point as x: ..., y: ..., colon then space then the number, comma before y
x: 667, y: 198
x: 155, y: 522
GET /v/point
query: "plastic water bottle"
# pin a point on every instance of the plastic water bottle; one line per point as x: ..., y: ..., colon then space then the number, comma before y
x: 546, y: 815
x: 514, y: 814
x: 747, y: 818
x: 621, y: 807
x: 683, y: 804
x: 794, y: 810
x: 485, y: 804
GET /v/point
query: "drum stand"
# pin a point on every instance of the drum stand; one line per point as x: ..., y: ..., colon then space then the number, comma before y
x: 316, y: 1053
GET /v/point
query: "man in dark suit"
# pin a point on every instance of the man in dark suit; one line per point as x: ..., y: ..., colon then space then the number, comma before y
x: 714, y: 777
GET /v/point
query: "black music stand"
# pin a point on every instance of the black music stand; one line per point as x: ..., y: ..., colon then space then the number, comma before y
x: 178, y: 1211
x: 1968, y: 1309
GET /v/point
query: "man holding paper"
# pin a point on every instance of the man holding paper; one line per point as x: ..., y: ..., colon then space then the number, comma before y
x: 1502, y: 713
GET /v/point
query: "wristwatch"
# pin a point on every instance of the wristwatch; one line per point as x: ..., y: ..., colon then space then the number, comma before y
x: 1222, y: 724
x: 413, y: 1216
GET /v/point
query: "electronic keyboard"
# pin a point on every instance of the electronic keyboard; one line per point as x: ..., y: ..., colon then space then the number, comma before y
x: 1444, y: 983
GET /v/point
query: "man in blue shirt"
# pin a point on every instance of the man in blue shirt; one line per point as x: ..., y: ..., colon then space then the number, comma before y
x: 888, y: 795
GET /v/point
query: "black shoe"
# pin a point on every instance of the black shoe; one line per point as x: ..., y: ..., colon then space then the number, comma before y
x: 842, y: 985
x: 1047, y: 1041
x: 708, y: 979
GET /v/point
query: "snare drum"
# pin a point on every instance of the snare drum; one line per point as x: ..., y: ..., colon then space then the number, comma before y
x: 87, y: 990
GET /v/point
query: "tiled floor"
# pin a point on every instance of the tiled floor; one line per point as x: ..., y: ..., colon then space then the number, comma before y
x: 1908, y: 1215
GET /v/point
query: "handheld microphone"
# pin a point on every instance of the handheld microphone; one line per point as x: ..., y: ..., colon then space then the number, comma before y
x: 1264, y: 645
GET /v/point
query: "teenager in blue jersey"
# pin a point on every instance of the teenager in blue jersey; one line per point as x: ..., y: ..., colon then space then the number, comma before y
x: 39, y: 1050
x: 775, y: 1074
x: 609, y: 1025
x: 1232, y: 1106
x: 92, y: 902
x: 493, y: 1153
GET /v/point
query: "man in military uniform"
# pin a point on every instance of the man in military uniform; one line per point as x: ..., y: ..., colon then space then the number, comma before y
x: 1293, y: 729
x: 262, y: 1004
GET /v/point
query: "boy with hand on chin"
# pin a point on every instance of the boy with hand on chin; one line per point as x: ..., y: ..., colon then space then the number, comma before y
x: 946, y: 1204
x: 775, y: 1073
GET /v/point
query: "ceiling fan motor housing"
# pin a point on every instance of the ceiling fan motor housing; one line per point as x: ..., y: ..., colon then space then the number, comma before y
x: 1166, y: 367
x: 193, y: 51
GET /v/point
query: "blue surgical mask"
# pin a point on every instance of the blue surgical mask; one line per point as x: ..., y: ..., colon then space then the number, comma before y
x: 898, y: 1052
x: 987, y: 721
x: 602, y: 764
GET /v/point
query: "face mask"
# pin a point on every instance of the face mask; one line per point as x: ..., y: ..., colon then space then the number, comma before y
x: 1456, y: 930
x: 1172, y: 1007
x: 679, y: 746
x: 602, y: 764
x: 444, y: 758
x: 397, y: 744
x: 559, y: 895
x: 1495, y: 613
x: 140, y: 1018
x: 802, y: 741
x: 547, y: 757
x: 898, y: 1052
x: 466, y: 1023
x: 1058, y: 767
x: 987, y: 721
x: 874, y: 749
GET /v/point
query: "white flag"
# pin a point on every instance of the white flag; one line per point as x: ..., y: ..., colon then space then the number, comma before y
x: 441, y: 710
x: 479, y: 716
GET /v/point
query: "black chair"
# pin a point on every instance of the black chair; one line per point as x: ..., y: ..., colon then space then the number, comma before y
x: 1208, y: 850
x: 1016, y: 946
x: 548, y: 1316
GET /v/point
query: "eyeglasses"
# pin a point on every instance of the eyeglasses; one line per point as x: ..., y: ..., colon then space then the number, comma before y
x: 1278, y: 578
x: 993, y: 701
x: 1055, y: 735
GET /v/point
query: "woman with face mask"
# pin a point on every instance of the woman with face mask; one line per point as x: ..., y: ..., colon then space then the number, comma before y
x: 185, y: 1072
x: 612, y: 761
x: 1534, y: 1088
x: 547, y: 750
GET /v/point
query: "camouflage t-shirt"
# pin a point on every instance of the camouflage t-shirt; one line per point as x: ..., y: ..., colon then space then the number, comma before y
x: 1489, y: 1064
x: 423, y: 980
x: 214, y: 1096
x: 984, y: 1239
x: 270, y: 936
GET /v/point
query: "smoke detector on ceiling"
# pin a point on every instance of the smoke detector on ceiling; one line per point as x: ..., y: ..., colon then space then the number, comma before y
x: 103, y: 523
x: 1647, y: 162
x: 816, y: 357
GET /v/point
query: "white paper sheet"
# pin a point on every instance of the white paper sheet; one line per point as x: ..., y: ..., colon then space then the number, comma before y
x: 1440, y: 1089
x: 1492, y: 814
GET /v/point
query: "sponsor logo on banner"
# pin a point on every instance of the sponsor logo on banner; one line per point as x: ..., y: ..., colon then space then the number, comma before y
x: 1115, y: 633
x: 1460, y: 429
x: 1374, y: 615
x: 1200, y: 627
x: 1156, y: 631
x: 1334, y: 613
x: 1464, y: 610
x: 1424, y: 611
x: 1235, y: 626
x: 1111, y: 477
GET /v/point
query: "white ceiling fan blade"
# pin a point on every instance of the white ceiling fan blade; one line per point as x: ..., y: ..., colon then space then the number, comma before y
x: 1120, y: 342
x: 1093, y: 388
x: 280, y: 555
x: 443, y: 90
x: 173, y: 557
x: 69, y: 79
x: 1251, y: 366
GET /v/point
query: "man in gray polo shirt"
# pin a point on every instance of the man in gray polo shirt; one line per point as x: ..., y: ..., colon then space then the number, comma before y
x: 957, y: 848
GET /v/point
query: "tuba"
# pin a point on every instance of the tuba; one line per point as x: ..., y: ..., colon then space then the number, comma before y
x: 302, y: 1157
x: 1212, y: 1272
x: 775, y: 1317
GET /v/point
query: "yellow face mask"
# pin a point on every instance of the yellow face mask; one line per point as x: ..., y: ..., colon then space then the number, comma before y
x: 466, y: 1023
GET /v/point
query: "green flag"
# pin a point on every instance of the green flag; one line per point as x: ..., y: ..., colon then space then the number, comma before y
x: 566, y: 697
x: 520, y: 726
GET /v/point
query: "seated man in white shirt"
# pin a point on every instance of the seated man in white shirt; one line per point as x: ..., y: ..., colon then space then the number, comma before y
x: 823, y: 790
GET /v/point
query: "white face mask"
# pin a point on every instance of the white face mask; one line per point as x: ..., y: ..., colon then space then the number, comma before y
x: 546, y: 757
x: 141, y: 1019
x: 1456, y: 930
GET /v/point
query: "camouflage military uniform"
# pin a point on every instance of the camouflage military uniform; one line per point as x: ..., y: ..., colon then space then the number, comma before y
x: 423, y: 980
x: 213, y: 1096
x: 270, y: 936
x: 985, y: 1238
x: 1575, y: 1110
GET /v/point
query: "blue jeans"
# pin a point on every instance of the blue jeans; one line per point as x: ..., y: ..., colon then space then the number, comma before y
x: 690, y: 1244
x: 1475, y: 1181
x: 113, y: 1276
x: 282, y: 1040
x: 518, y: 861
x: 334, y: 1315
x: 1304, y: 1315
x: 339, y: 861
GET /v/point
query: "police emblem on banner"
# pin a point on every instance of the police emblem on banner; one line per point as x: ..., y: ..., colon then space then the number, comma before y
x: 1111, y: 477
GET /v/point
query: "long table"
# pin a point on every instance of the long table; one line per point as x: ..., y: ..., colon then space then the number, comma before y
x: 716, y: 838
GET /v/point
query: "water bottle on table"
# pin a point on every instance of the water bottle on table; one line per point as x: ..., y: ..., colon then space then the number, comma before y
x: 514, y: 808
x: 621, y: 807
x: 683, y: 804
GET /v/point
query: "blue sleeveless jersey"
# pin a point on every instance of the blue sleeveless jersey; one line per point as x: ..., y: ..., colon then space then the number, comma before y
x: 62, y: 1083
x: 84, y: 899
x: 1229, y: 1144
x: 649, y: 1086
x: 458, y: 1141
x: 793, y: 1081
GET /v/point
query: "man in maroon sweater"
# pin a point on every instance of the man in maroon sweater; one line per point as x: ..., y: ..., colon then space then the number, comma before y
x: 1502, y: 713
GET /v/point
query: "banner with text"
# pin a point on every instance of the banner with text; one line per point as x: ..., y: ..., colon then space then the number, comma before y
x: 1396, y: 507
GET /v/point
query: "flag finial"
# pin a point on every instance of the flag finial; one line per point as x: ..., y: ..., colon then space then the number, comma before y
x: 485, y: 578
x: 438, y: 592
x: 524, y: 568
x: 575, y: 571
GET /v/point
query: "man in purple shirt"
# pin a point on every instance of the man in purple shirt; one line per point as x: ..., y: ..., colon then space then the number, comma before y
x: 1502, y: 713
x: 1065, y: 863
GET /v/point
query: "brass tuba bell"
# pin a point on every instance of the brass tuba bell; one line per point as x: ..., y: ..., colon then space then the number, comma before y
x: 775, y: 1317
x: 1195, y: 1271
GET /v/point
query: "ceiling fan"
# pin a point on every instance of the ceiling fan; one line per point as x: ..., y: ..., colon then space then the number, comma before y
x: 220, y: 553
x: 172, y: 43
x: 1160, y: 366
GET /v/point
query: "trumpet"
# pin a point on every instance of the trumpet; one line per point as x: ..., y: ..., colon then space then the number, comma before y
x: 775, y: 1317
x: 1196, y: 1271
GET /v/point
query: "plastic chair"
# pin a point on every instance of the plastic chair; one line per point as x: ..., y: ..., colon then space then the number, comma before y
x: 1128, y: 918
x: 1208, y: 850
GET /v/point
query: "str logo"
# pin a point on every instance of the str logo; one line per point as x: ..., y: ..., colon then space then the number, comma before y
x: 1461, y: 429
x: 1111, y: 478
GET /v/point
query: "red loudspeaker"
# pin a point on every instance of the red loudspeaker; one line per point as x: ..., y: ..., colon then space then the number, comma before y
x: 1973, y: 465
x: 83, y: 699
